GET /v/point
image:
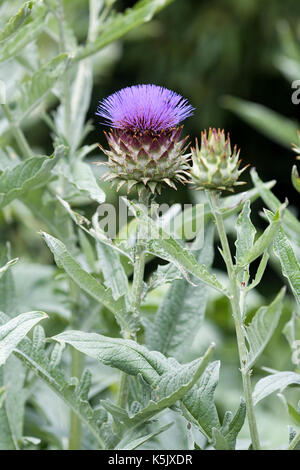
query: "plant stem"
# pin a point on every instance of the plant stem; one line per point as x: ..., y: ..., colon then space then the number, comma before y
x: 213, y: 199
x: 75, y: 427
x: 295, y: 442
x: 137, y: 290
x: 18, y: 133
x: 76, y: 370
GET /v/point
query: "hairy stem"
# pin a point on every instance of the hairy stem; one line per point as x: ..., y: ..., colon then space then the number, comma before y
x: 213, y: 199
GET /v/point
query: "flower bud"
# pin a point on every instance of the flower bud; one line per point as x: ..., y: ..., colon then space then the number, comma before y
x: 215, y: 166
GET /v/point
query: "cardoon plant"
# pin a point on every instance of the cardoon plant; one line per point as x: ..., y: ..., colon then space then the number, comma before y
x: 128, y: 361
x: 145, y: 145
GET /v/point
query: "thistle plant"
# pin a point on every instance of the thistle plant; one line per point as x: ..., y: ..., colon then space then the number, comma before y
x: 145, y: 147
x: 116, y: 342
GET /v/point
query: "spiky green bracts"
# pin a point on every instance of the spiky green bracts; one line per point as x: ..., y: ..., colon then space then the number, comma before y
x: 145, y: 146
x: 215, y: 166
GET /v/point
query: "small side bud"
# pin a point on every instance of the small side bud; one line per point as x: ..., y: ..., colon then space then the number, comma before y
x: 215, y: 166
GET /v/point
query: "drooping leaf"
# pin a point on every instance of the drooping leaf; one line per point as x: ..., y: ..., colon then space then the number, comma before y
x: 182, y: 310
x: 81, y: 176
x: 89, y: 284
x: 273, y: 383
x: 262, y: 327
x: 12, y: 332
x: 230, y: 206
x: 163, y: 245
x: 26, y: 176
x: 169, y: 380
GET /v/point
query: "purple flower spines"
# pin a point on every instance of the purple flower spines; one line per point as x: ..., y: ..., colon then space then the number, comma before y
x: 144, y: 108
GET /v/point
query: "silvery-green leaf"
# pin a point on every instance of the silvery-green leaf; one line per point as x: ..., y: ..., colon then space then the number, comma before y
x: 16, y: 21
x: 23, y: 36
x: 82, y: 177
x: 289, y: 264
x: 169, y: 380
x: 26, y: 176
x: 198, y: 404
x: 262, y: 327
x: 260, y: 271
x: 112, y: 269
x: 39, y: 363
x: 4, y: 268
x: 12, y: 332
x: 264, y: 241
x: 245, y: 238
x: 273, y: 203
x: 162, y: 244
x: 273, y: 383
x: 89, y: 284
x: 37, y: 87
x: 182, y: 310
x: 133, y: 444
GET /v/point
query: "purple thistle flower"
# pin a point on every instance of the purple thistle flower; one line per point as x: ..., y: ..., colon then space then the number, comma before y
x: 144, y: 108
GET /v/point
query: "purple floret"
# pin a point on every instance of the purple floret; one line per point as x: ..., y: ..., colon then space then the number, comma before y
x: 144, y: 107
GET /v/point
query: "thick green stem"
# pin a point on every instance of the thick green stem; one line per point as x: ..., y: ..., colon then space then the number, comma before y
x: 75, y: 426
x: 137, y: 290
x: 213, y: 199
x: 17, y: 133
x: 77, y: 363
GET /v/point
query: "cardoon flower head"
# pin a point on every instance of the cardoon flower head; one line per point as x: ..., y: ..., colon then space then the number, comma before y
x: 145, y: 148
x: 215, y: 166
